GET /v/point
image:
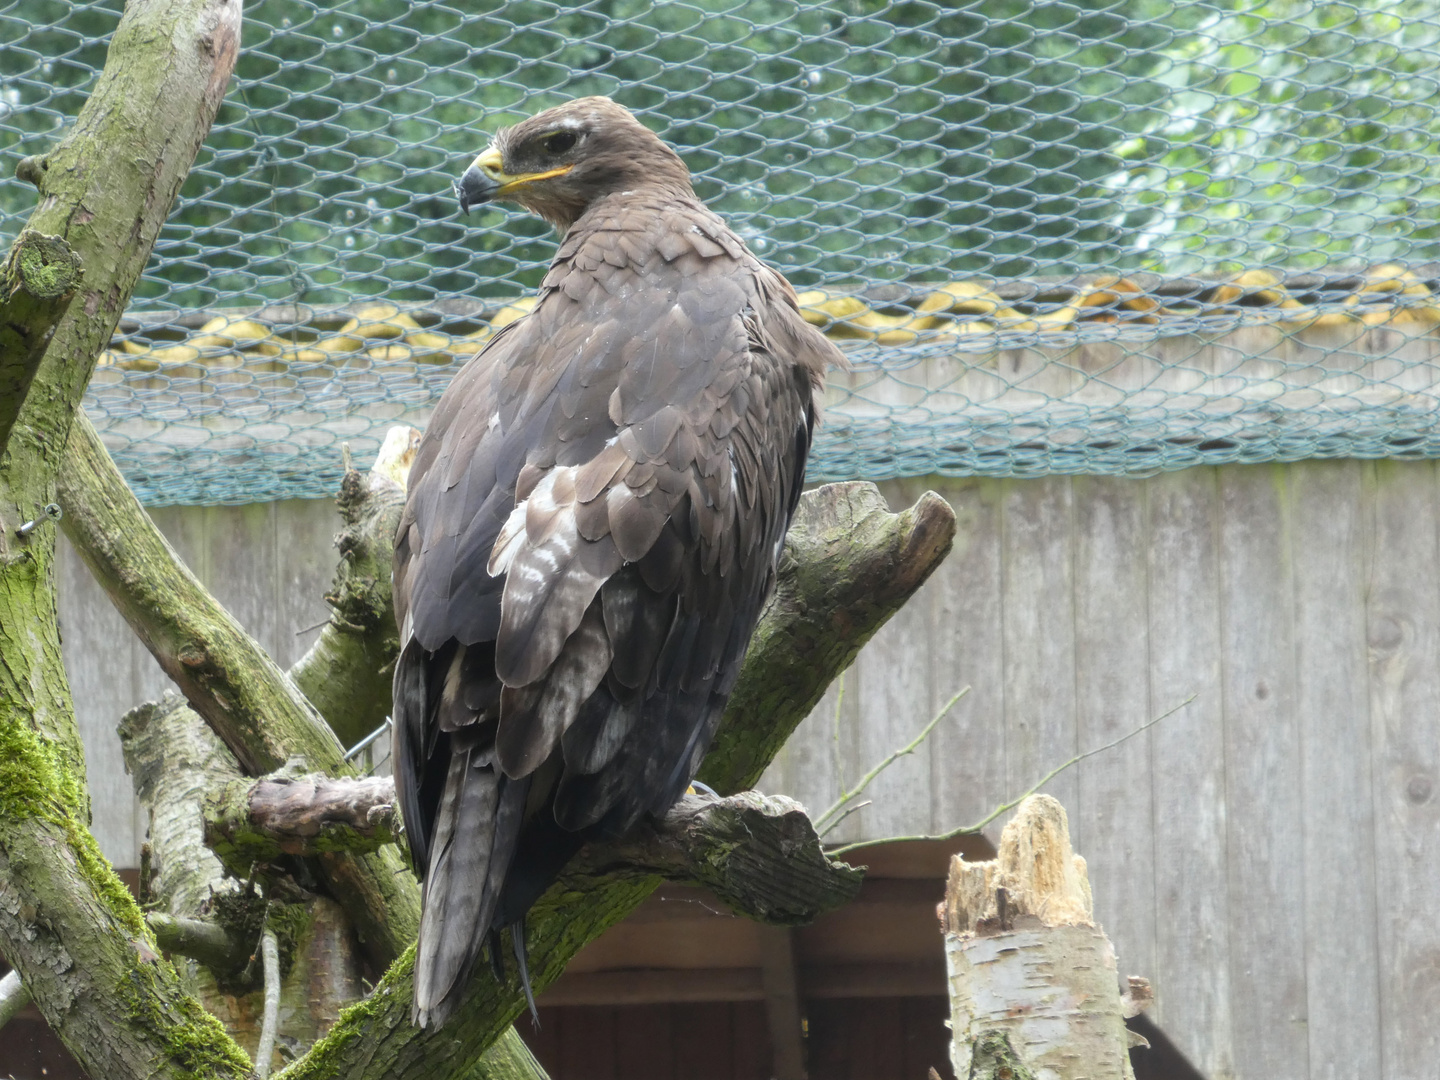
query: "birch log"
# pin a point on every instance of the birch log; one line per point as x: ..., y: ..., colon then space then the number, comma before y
x: 1026, y: 960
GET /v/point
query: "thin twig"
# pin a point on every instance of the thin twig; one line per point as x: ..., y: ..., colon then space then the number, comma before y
x: 270, y: 950
x: 13, y: 997
x: 835, y: 731
x: 909, y: 748
x: 848, y: 811
x: 964, y: 829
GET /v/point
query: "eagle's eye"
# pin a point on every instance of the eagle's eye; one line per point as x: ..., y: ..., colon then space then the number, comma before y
x: 558, y: 142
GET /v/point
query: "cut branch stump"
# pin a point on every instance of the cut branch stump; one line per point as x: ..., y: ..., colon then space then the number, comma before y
x: 1030, y: 973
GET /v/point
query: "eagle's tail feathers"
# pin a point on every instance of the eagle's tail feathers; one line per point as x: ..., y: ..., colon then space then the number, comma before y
x: 463, y: 882
x: 517, y: 942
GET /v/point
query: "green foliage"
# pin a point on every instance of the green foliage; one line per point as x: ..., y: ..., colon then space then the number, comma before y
x: 847, y: 140
x: 1294, y: 133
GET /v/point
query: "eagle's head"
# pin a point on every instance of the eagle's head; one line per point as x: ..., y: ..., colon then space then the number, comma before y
x: 558, y: 162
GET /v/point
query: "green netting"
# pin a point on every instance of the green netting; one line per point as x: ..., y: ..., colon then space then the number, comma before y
x: 869, y: 149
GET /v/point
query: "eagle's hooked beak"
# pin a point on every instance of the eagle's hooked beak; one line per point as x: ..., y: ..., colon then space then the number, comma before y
x: 486, y: 179
x: 481, y: 181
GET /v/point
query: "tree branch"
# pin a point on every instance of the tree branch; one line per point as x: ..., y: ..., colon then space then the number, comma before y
x: 849, y: 565
x: 36, y: 285
x: 228, y: 679
x: 257, y: 821
x: 759, y: 855
x: 66, y: 922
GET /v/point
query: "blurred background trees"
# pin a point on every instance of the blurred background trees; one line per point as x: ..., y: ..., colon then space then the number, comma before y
x: 850, y: 141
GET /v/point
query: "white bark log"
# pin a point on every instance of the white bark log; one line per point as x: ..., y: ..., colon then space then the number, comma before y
x: 1025, y: 957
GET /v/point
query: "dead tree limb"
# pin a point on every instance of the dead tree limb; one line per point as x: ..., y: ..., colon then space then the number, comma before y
x: 257, y: 821
x: 1031, y: 975
x: 759, y: 855
x: 346, y: 673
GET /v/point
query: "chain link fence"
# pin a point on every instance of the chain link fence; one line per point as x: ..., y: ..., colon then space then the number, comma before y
x: 1054, y: 236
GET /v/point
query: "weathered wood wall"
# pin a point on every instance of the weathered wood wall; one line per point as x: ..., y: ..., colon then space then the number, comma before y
x: 1269, y: 856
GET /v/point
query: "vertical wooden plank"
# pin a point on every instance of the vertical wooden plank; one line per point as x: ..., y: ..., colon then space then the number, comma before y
x: 644, y: 1042
x: 1037, y: 598
x: 1191, y: 976
x: 891, y: 694
x: 926, y: 1031
x: 1265, y: 836
x: 829, y: 1056
x: 753, y: 1052
x: 877, y: 1043
x: 702, y: 1041
x: 1403, y: 629
x: 1332, y: 708
x: 304, y: 567
x: 967, y: 776
x: 1113, y: 807
x: 100, y: 665
x: 243, y: 568
x: 804, y: 768
x: 587, y: 1044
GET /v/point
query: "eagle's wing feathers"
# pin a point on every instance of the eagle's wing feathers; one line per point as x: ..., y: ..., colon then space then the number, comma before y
x: 593, y: 525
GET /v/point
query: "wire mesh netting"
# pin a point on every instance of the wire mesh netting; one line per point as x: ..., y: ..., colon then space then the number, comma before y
x: 1054, y: 236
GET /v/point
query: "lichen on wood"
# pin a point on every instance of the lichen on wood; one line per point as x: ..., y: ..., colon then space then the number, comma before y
x: 66, y: 922
x: 37, y: 282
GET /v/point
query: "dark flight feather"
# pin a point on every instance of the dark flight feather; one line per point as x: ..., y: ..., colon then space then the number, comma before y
x: 592, y: 527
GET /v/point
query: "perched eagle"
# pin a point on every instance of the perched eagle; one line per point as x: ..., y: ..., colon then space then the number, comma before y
x: 594, y: 520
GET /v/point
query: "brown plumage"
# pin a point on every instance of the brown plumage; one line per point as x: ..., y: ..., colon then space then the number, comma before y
x: 594, y: 520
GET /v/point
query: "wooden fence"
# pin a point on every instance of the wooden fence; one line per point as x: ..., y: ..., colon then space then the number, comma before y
x: 1269, y: 856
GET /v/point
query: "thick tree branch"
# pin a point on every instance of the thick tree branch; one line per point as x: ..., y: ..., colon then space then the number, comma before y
x: 67, y: 924
x: 200, y: 939
x: 849, y: 566
x: 36, y: 285
x: 244, y: 697
x: 257, y: 821
x: 759, y: 855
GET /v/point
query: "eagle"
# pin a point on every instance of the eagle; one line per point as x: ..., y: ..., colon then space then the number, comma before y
x: 594, y: 519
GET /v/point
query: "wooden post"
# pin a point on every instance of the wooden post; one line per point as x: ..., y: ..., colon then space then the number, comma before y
x: 1030, y: 974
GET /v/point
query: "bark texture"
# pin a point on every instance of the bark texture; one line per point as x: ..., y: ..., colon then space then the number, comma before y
x: 204, y: 918
x: 36, y: 284
x: 227, y: 678
x: 67, y: 924
x: 1026, y: 961
x: 759, y: 855
x: 850, y: 565
x: 258, y: 821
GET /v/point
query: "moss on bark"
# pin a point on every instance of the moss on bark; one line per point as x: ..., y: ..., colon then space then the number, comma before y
x: 67, y: 924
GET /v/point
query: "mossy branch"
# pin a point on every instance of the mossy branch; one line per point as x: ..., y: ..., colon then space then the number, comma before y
x: 258, y: 821
x: 759, y: 855
x: 37, y: 282
x: 67, y: 924
x: 225, y: 675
